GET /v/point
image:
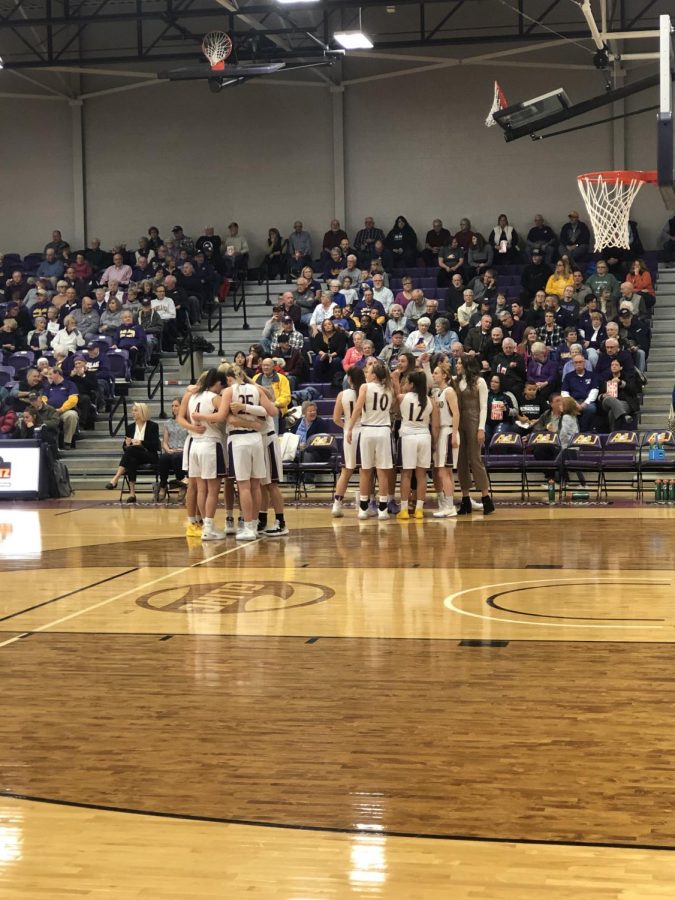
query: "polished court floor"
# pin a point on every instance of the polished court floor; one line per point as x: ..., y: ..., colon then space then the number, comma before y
x: 448, y: 709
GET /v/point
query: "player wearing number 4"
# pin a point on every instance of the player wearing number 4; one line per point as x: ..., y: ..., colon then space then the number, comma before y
x: 373, y: 407
x: 344, y: 407
x: 418, y: 414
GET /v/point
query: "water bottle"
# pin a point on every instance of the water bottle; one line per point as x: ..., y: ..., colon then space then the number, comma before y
x: 551, y: 490
x: 658, y: 491
x: 671, y: 491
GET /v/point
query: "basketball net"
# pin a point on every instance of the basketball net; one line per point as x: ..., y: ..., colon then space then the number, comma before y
x: 498, y: 103
x: 608, y: 197
x: 216, y: 47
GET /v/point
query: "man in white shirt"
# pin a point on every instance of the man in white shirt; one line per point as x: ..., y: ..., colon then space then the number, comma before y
x: 235, y: 257
x: 381, y: 292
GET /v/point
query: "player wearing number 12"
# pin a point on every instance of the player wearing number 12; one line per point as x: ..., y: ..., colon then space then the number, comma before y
x: 418, y: 414
x: 374, y: 406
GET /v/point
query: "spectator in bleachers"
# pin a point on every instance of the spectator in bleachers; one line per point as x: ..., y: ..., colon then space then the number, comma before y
x: 86, y: 318
x: 141, y: 447
x: 72, y: 303
x: 404, y: 296
x: 294, y: 340
x: 480, y: 256
x: 349, y: 291
x: 131, y: 338
x: 199, y: 297
x: 98, y: 259
x: 541, y: 368
x: 421, y: 340
x: 396, y: 321
x: 416, y: 307
x: 402, y: 242
x: 582, y: 386
x: 618, y: 396
x: 636, y: 333
x: 294, y: 364
x: 365, y: 239
x: 291, y: 308
x: 16, y: 287
x: 61, y: 394
x: 613, y: 350
x: 41, y: 290
x: 491, y: 349
x: 568, y: 303
x: 550, y: 333
x: 68, y: 339
x: 563, y: 352
x: 668, y: 238
x: 478, y: 336
x: 504, y: 238
x: 580, y: 290
x: 510, y: 367
x: 11, y: 338
x: 325, y: 310
x: 278, y: 384
x: 235, y: 257
x: 332, y: 237
x: 346, y: 250
x: 510, y: 326
x: 171, y: 458
x: 607, y: 305
x: 368, y: 303
x: 603, y: 279
x: 336, y: 296
x: 272, y: 327
x: 351, y: 270
x: 209, y: 241
x: 151, y: 323
x: 73, y: 281
x: 181, y: 240
x: 57, y: 244
x: 444, y: 337
x: 299, y: 246
x: 542, y: 237
x: 454, y: 296
x: 367, y: 323
x: 381, y: 292
x: 560, y: 279
x: 82, y: 268
x: 51, y: 267
x: 437, y: 238
x: 275, y: 261
x: 313, y: 282
x: 575, y: 239
x: 142, y: 270
x: 38, y: 338
x: 466, y: 310
x: 594, y: 336
x: 393, y: 349
x: 118, y: 272
x: 531, y: 406
x: 256, y: 354
x: 114, y: 290
x: 306, y: 427
x: 305, y: 298
x: 87, y: 389
x: 450, y: 260
x: 97, y: 365
x: 464, y: 235
x: 640, y: 277
x: 165, y: 308
x: 383, y: 256
x: 535, y: 275
x: 333, y: 264
x: 431, y: 312
x: 144, y: 250
x: 485, y: 286
x: 330, y: 347
x: 53, y: 323
x: 642, y: 304
x: 501, y: 409
x: 111, y: 317
x: 354, y: 354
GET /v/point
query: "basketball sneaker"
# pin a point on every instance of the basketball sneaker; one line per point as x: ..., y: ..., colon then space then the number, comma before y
x: 337, y: 511
x: 276, y: 530
x: 383, y: 515
x: 213, y: 535
x: 229, y: 526
x: 419, y: 513
x: 192, y: 529
x: 372, y: 510
x: 403, y: 515
x: 364, y: 514
x: 247, y: 533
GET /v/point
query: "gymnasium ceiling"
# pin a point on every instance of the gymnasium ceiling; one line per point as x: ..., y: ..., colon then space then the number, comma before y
x: 145, y: 36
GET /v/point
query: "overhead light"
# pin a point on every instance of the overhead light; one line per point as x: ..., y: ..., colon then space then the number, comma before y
x: 2, y: 65
x: 353, y: 40
x: 295, y: 2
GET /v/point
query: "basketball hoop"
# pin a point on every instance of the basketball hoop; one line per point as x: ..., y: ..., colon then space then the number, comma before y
x: 608, y: 197
x: 216, y: 47
x: 498, y: 103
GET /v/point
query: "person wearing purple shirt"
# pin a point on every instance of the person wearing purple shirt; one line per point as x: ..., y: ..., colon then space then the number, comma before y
x: 367, y: 303
x: 542, y: 370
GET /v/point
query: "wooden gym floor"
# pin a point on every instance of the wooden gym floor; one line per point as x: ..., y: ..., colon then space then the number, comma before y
x: 448, y: 709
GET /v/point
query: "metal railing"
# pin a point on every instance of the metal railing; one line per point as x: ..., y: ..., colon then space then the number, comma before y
x: 238, y: 295
x: 216, y: 312
x: 123, y: 422
x: 184, y: 351
x: 159, y: 386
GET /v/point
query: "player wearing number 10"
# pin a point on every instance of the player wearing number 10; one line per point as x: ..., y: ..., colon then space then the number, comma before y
x: 374, y: 406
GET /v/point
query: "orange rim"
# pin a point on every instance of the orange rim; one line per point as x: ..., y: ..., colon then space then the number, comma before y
x: 624, y: 176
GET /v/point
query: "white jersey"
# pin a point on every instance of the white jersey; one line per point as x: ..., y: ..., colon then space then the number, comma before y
x: 248, y: 394
x: 203, y: 403
x: 414, y: 418
x: 444, y: 407
x: 348, y: 404
x: 377, y: 408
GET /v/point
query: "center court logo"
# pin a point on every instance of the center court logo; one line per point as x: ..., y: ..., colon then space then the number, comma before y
x: 236, y: 597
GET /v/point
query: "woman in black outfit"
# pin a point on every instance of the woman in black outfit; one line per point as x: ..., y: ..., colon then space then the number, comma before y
x: 141, y: 447
x: 330, y: 346
x: 275, y: 261
x: 402, y: 241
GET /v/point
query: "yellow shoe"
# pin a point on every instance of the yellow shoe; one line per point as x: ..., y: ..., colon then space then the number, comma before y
x: 193, y: 530
x: 403, y: 516
x: 419, y: 513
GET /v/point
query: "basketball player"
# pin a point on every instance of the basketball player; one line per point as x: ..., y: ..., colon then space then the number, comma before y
x: 445, y: 397
x: 207, y: 456
x: 344, y: 407
x: 245, y: 448
x: 373, y: 407
x: 418, y: 414
x: 270, y: 492
x: 194, y: 514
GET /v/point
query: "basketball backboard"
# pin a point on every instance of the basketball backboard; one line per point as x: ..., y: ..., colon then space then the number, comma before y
x: 530, y: 112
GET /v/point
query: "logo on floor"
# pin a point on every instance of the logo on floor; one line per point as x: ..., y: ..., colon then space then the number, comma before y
x: 236, y: 597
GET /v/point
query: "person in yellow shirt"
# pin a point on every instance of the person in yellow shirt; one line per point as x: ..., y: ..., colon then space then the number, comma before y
x: 278, y: 383
x: 561, y: 278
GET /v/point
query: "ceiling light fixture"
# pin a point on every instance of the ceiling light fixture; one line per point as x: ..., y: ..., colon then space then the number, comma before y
x: 354, y: 40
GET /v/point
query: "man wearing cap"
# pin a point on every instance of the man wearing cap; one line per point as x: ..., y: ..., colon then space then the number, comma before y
x: 636, y: 333
x: 582, y: 386
x: 62, y: 396
x: 235, y: 257
x: 542, y: 237
x: 97, y: 365
x: 534, y: 275
x: 575, y: 238
x: 272, y: 327
x: 181, y: 240
x: 87, y: 319
x: 295, y: 340
x: 390, y: 353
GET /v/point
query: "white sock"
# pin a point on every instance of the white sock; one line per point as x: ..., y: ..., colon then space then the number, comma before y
x: 192, y: 520
x: 229, y: 513
x: 419, y: 504
x: 440, y: 497
x: 208, y: 524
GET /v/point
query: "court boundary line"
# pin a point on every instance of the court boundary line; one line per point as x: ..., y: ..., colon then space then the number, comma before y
x: 333, y: 829
x: 141, y: 587
x: 69, y: 594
